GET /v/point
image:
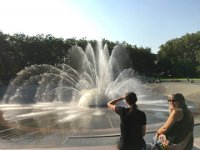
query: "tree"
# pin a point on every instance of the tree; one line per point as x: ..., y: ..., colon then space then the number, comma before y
x: 182, y: 55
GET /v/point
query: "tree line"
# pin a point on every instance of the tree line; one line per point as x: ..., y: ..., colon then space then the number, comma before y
x: 178, y: 57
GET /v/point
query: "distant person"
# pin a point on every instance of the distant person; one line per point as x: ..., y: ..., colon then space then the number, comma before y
x: 3, y: 123
x: 133, y: 123
x: 192, y: 81
x: 178, y: 128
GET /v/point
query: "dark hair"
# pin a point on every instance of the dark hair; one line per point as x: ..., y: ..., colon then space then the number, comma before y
x: 131, y: 99
x: 178, y: 97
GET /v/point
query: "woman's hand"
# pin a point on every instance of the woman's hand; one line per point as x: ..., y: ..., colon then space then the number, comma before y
x: 162, y: 130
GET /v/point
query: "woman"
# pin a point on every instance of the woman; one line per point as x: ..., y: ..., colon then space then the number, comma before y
x: 133, y: 123
x: 179, y: 126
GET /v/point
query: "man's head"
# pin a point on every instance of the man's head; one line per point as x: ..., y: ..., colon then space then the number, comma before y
x: 131, y: 98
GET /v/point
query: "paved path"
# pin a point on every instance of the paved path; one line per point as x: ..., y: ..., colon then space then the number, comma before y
x: 88, y: 143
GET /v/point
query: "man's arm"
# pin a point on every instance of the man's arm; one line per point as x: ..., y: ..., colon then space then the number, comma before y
x: 112, y: 103
x: 143, y: 130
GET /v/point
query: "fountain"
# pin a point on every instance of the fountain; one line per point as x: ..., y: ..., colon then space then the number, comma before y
x: 89, y: 79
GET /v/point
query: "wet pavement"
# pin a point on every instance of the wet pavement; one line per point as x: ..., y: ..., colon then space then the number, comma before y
x: 33, y: 140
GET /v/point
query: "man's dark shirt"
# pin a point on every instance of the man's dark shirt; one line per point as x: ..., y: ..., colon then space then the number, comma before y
x: 131, y: 128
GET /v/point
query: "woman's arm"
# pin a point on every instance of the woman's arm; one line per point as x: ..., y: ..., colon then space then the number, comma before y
x: 173, y: 117
x: 112, y: 103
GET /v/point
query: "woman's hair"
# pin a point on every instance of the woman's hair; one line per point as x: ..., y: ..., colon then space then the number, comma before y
x: 131, y: 99
x: 178, y: 97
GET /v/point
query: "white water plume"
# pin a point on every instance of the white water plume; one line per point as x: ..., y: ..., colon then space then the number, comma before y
x: 90, y: 78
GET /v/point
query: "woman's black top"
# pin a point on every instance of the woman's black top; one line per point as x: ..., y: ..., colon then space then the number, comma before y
x: 180, y: 130
x: 131, y: 128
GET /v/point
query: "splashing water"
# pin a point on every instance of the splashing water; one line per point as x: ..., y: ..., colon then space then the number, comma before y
x: 90, y: 78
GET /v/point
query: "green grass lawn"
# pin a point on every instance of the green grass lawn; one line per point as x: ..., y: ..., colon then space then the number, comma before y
x: 179, y: 79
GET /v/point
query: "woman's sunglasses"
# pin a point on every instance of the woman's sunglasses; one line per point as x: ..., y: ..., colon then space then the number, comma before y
x: 172, y: 100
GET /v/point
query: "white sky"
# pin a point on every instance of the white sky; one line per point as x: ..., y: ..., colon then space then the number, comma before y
x: 44, y: 16
x: 147, y: 23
